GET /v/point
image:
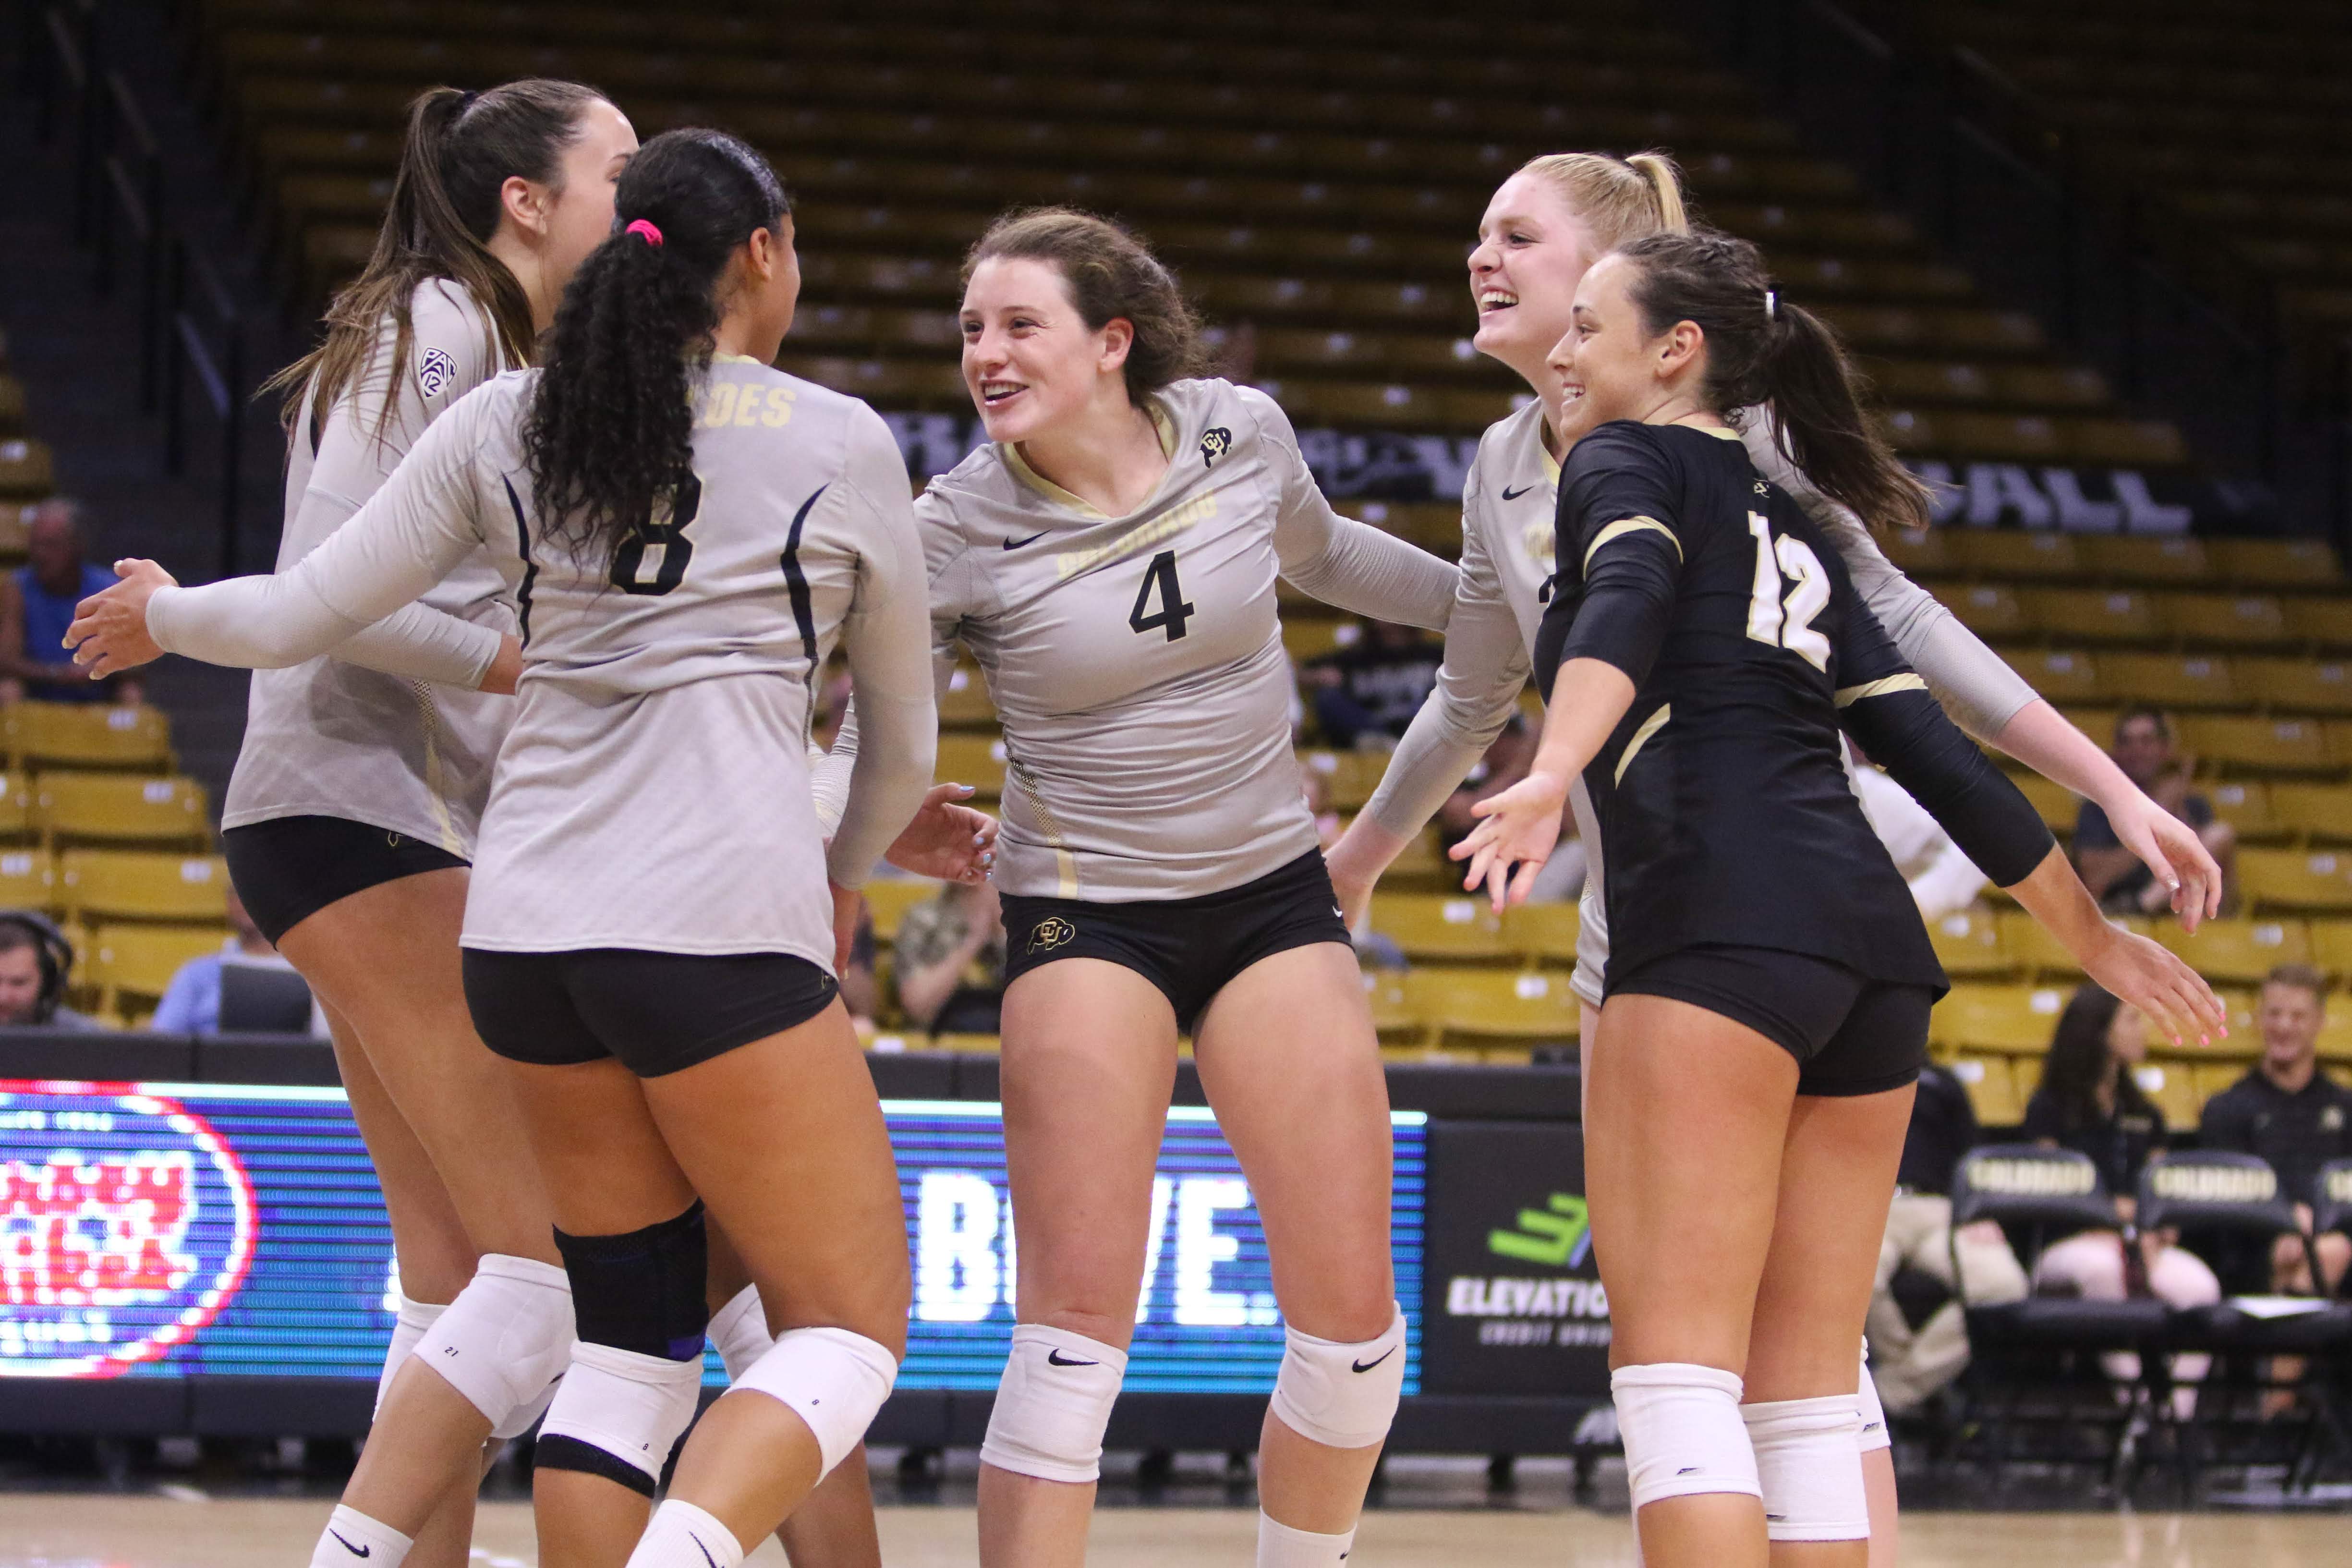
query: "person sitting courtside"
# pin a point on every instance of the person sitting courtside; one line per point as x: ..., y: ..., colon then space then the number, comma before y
x: 36, y: 605
x: 34, y: 962
x: 2293, y: 1115
x: 2144, y: 752
x: 192, y: 1003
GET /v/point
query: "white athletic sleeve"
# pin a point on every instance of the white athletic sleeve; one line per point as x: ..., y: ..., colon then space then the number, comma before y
x: 451, y: 353
x: 1338, y: 560
x: 1975, y: 685
x: 1478, y: 686
x: 412, y: 533
x: 891, y: 757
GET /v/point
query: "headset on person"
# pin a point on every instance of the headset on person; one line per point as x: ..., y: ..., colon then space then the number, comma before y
x: 56, y: 955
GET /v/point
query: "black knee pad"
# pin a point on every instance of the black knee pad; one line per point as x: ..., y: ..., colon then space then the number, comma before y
x: 643, y: 1291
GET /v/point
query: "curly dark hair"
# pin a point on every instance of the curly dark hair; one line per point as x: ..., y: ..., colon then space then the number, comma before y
x: 610, y: 435
x: 1112, y: 276
x: 1761, y: 348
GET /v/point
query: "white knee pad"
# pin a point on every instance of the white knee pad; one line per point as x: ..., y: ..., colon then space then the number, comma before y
x: 1341, y: 1395
x: 415, y: 1317
x: 740, y: 1330
x: 834, y: 1380
x: 505, y: 1340
x: 1052, y: 1404
x: 1875, y: 1434
x: 618, y: 1414
x: 1682, y: 1435
x: 1808, y: 1466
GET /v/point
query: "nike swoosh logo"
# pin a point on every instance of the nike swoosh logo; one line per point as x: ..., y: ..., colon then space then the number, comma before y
x: 1055, y: 1358
x: 361, y: 1551
x: 1017, y: 543
x: 701, y: 1548
x: 1509, y: 494
x: 1367, y: 1365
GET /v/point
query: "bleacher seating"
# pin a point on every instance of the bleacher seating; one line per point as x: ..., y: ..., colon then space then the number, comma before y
x: 1330, y: 221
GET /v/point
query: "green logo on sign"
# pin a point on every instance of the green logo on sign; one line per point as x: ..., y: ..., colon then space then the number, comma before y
x: 1556, y: 1235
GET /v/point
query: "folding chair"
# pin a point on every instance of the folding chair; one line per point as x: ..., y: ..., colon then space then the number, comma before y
x: 2219, y: 1199
x: 2035, y: 1364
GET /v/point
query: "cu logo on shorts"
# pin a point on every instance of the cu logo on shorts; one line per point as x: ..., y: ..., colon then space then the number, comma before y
x: 1216, y: 444
x: 1050, y: 932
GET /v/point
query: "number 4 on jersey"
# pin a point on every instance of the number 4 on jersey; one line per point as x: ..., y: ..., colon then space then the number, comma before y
x: 1788, y: 624
x: 1160, y: 578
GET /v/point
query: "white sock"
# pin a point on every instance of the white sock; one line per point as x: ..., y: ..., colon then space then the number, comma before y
x: 351, y: 1537
x: 1279, y: 1546
x: 682, y: 1536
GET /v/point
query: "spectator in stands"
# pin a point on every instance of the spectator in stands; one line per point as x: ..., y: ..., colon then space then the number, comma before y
x: 1909, y: 1364
x: 192, y: 1003
x: 2114, y: 875
x: 2293, y: 1115
x: 34, y: 961
x: 1368, y: 692
x: 949, y: 967
x: 1941, y: 879
x: 36, y: 605
x: 2088, y: 1101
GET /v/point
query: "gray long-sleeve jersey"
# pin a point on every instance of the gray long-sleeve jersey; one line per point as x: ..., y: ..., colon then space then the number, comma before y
x: 652, y: 793
x: 1137, y: 662
x: 1507, y: 506
x: 386, y: 727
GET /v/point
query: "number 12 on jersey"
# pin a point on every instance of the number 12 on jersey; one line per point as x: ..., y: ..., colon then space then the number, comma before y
x: 1787, y: 623
x: 1159, y: 579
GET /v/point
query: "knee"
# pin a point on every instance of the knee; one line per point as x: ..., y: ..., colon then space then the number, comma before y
x: 1683, y: 1431
x: 1342, y: 1394
x: 1054, y: 1403
x: 2092, y: 1266
x: 2335, y: 1256
x: 2183, y: 1279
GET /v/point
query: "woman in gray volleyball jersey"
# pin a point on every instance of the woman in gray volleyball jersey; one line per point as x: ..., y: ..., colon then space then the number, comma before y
x: 1544, y: 228
x: 1109, y: 560
x: 650, y: 935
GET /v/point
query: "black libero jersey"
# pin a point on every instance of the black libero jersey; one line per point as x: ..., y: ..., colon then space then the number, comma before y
x: 1725, y: 811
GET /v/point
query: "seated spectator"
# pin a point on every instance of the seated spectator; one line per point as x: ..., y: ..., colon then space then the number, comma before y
x: 34, y: 961
x: 1909, y: 1364
x: 1366, y: 694
x: 860, y: 992
x: 949, y: 961
x: 2293, y: 1115
x: 1941, y: 879
x: 192, y: 1003
x: 2088, y: 1101
x: 2112, y: 873
x: 36, y: 605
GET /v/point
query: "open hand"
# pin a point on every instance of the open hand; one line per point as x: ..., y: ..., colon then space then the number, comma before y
x: 109, y: 634
x: 2154, y: 980
x: 1515, y: 834
x: 947, y: 839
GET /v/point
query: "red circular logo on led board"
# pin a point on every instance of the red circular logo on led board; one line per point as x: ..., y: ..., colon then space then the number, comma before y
x: 126, y: 1223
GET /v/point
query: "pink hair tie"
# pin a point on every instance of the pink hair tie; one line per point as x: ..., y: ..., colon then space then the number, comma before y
x: 645, y: 231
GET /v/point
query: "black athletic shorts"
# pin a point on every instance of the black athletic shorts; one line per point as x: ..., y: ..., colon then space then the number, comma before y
x: 656, y: 1011
x: 289, y: 869
x: 1850, y: 1035
x: 1187, y: 947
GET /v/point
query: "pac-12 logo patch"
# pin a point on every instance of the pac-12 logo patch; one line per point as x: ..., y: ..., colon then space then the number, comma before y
x: 1050, y: 932
x: 435, y: 371
x: 126, y: 1225
x: 1214, y: 444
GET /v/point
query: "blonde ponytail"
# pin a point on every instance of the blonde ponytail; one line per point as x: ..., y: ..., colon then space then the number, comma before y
x: 1620, y: 199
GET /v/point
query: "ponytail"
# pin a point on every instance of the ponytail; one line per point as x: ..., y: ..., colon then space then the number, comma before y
x: 609, y: 436
x: 459, y: 150
x: 1620, y: 199
x: 1763, y: 352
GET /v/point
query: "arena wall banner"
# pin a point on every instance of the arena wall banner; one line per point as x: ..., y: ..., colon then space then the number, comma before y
x: 159, y: 1231
x: 1516, y: 1304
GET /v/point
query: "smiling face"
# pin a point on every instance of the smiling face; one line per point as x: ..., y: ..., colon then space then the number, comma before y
x: 1606, y: 363
x: 1532, y: 251
x: 1030, y: 360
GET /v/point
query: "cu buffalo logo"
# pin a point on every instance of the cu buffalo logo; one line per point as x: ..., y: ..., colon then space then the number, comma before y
x: 1215, y: 445
x: 1050, y: 932
x: 126, y: 1223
